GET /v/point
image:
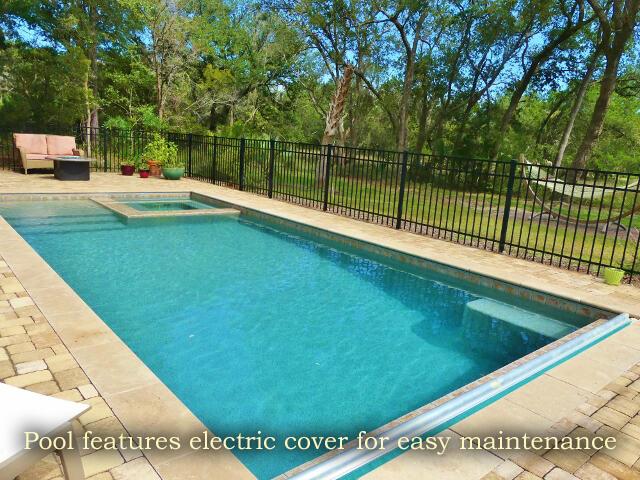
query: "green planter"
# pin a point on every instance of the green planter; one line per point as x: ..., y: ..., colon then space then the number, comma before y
x: 173, y: 173
x: 613, y: 276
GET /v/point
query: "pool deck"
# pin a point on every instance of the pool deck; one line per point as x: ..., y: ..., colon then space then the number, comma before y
x: 51, y: 341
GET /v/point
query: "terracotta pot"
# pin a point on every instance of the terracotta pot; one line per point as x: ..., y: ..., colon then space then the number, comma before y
x: 154, y: 168
x: 127, y: 170
x: 144, y: 173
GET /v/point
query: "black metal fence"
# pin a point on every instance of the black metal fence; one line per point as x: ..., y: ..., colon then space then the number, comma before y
x: 578, y: 219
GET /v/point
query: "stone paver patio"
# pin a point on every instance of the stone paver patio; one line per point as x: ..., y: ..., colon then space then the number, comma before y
x: 597, y: 391
x: 612, y: 412
x: 33, y: 357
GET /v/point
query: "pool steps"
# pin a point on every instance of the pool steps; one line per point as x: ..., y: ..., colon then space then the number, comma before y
x: 518, y: 317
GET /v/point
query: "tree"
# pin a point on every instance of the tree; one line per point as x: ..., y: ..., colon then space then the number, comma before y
x: 408, y: 20
x: 571, y: 19
x: 340, y: 33
x: 465, y: 77
x: 617, y: 21
x: 41, y: 91
x: 577, y: 105
x: 479, y: 43
x: 246, y: 49
x: 334, y: 118
x: 163, y: 38
x: 336, y: 110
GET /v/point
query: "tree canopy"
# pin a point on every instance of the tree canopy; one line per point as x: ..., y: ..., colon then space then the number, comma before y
x: 555, y: 80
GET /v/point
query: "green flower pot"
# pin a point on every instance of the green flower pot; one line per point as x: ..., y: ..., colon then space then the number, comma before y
x: 173, y: 173
x: 613, y: 276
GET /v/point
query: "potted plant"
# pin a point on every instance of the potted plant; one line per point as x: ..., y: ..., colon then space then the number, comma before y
x: 127, y: 168
x: 172, y: 167
x: 613, y: 276
x: 154, y: 168
x: 155, y: 153
x: 143, y: 168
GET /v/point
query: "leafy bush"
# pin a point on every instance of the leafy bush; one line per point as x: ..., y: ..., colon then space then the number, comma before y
x: 163, y: 152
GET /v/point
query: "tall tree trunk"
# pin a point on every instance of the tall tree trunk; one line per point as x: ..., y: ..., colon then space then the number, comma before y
x: 92, y: 54
x: 334, y: 118
x: 218, y: 115
x: 575, y: 109
x: 159, y: 89
x: 403, y: 112
x: 411, y: 49
x: 160, y: 95
x: 87, y: 123
x: 95, y: 121
x: 353, y: 131
x: 423, y: 121
x: 616, y: 33
x: 594, y: 130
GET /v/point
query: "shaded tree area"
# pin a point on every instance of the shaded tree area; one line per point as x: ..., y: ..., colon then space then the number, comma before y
x: 555, y: 80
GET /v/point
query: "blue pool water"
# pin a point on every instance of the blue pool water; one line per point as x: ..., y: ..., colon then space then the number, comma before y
x: 167, y: 204
x: 255, y: 328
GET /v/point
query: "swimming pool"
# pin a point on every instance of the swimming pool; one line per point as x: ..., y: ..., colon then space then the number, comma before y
x: 255, y: 327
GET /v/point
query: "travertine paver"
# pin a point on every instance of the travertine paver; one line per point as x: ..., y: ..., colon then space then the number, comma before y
x: 37, y: 360
x: 623, y: 462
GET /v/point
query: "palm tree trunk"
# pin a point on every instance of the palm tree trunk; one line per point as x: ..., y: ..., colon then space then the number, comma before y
x: 334, y: 118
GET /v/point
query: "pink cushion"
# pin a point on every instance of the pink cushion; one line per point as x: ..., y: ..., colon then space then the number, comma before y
x: 31, y: 142
x: 58, y: 145
x: 36, y: 156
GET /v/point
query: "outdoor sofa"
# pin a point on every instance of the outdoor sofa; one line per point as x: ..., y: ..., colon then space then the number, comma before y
x: 34, y: 148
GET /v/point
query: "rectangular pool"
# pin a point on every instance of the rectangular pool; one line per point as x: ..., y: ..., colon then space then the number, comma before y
x: 255, y: 327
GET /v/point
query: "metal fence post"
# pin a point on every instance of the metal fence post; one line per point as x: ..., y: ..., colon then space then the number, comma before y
x: 189, y: 155
x: 507, y: 205
x: 241, y: 173
x: 104, y: 149
x: 272, y: 159
x: 214, y: 160
x: 403, y: 179
x: 327, y: 170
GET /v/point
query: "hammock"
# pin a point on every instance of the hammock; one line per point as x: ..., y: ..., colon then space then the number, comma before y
x: 537, y: 175
x: 576, y: 191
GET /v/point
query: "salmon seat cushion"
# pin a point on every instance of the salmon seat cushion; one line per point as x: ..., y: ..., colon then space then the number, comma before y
x: 59, y: 145
x: 31, y: 143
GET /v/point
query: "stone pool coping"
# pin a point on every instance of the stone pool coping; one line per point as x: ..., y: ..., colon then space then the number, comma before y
x: 93, y: 342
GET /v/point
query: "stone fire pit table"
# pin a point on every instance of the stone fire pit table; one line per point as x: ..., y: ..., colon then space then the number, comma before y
x: 67, y: 167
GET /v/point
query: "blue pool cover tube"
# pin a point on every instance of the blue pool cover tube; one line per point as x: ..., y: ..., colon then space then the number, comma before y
x: 352, y: 459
